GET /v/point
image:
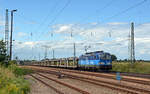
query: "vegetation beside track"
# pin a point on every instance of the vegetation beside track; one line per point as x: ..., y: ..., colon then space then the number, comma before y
x: 11, y: 76
x: 137, y: 67
x: 12, y: 80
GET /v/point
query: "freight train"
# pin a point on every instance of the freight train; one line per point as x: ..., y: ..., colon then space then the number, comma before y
x: 98, y: 60
x: 95, y: 60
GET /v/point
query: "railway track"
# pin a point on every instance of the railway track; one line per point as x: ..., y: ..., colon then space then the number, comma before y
x: 65, y: 84
x: 110, y: 85
x: 56, y: 90
x: 114, y: 86
x: 137, y: 75
x: 140, y: 75
x: 110, y: 72
x: 112, y: 77
x: 105, y: 76
x: 104, y: 85
x: 59, y: 82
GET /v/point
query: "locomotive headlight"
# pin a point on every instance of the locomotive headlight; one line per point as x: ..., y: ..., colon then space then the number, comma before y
x: 101, y: 63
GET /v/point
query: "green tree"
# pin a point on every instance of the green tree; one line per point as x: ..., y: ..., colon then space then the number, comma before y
x: 3, y: 55
x: 113, y: 57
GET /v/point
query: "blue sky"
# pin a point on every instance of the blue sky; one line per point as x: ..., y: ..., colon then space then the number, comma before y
x: 34, y: 26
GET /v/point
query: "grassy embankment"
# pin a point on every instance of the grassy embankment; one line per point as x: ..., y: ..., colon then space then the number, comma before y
x: 12, y: 80
x: 138, y: 67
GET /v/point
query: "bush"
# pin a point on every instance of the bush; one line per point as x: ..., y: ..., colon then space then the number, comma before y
x: 10, y: 84
x: 138, y: 67
x: 19, y: 71
x: 22, y: 71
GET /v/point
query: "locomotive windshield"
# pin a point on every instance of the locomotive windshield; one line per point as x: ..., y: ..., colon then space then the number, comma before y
x: 105, y: 56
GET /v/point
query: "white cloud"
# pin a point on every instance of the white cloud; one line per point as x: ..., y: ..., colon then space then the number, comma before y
x: 1, y: 31
x: 31, y: 23
x: 117, y: 23
x: 94, y: 23
x: 2, y: 23
x: 100, y: 37
x: 62, y: 28
x: 21, y: 34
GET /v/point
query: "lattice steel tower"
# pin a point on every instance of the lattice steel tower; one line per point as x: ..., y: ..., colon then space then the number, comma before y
x: 7, y: 32
x: 132, y: 50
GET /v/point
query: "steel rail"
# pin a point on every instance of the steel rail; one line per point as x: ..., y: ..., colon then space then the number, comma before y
x: 94, y: 81
x: 65, y: 84
x: 56, y: 90
x: 110, y: 77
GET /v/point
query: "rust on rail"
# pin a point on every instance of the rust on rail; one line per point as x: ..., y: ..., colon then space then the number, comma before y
x: 56, y: 90
x: 67, y: 85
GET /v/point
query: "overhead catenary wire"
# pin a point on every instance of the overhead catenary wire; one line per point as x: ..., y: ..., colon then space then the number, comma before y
x: 122, y: 12
x: 26, y: 19
x: 54, y: 19
x: 119, y: 13
x: 57, y: 15
x: 46, y: 17
x: 98, y: 10
x: 126, y: 10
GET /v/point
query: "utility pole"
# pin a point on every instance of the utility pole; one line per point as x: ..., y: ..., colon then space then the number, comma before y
x: 74, y: 58
x: 132, y: 55
x: 39, y: 57
x: 6, y: 32
x: 11, y: 33
x: 46, y: 49
x: 86, y: 48
x: 45, y: 52
x: 53, y: 53
x: 129, y: 46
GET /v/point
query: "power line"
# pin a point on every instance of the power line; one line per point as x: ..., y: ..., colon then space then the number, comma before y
x: 50, y: 13
x: 58, y: 14
x: 101, y: 9
x: 21, y: 15
x: 54, y: 19
x: 126, y: 10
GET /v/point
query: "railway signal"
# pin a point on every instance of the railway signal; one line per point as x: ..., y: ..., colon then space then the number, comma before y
x: 118, y: 77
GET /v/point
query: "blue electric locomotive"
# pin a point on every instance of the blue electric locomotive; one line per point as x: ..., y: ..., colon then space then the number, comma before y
x: 95, y: 60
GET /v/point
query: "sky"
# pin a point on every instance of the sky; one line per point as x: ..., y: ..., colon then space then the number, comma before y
x: 41, y: 26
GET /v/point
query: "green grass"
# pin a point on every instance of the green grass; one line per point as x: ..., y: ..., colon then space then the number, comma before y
x: 20, y: 71
x: 138, y: 67
x: 12, y: 81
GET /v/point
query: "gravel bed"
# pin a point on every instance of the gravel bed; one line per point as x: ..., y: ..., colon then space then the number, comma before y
x: 137, y: 78
x: 91, y: 88
x: 38, y: 87
x: 146, y: 87
x: 60, y: 87
x: 108, y: 74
